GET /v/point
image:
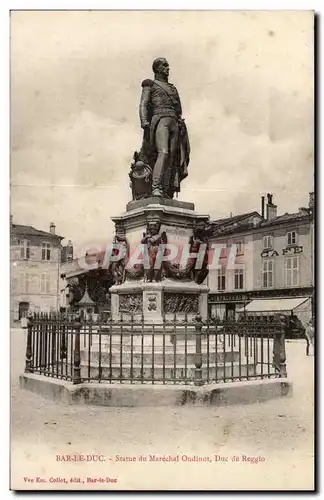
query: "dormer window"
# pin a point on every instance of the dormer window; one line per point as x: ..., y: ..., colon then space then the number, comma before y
x: 291, y: 238
x: 267, y: 242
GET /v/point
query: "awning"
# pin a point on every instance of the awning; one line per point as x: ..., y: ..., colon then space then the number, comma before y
x: 273, y: 305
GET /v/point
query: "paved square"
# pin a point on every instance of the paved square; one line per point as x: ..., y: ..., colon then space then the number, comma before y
x: 278, y: 436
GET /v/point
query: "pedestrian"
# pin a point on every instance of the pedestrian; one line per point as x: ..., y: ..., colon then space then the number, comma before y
x: 309, y: 334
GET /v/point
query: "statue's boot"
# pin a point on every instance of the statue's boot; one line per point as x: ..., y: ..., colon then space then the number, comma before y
x: 160, y: 165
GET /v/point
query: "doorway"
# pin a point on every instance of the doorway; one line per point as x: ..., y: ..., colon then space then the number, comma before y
x: 23, y: 309
x: 230, y: 311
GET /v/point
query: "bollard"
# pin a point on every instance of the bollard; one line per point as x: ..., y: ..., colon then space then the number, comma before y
x: 279, y: 347
x: 76, y: 354
x: 29, y: 354
x: 198, y: 358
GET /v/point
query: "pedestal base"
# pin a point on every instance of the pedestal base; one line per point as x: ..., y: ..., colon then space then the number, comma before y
x: 156, y: 302
x: 154, y: 200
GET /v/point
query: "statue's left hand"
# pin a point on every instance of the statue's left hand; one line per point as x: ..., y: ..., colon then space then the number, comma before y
x: 164, y: 237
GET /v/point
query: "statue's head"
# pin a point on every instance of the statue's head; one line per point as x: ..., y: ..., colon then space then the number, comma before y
x: 119, y: 232
x: 139, y: 166
x: 161, y: 66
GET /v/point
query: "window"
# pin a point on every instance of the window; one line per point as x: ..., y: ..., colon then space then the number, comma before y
x: 221, y: 279
x: 292, y: 271
x: 24, y: 249
x: 46, y: 251
x: 267, y: 242
x: 24, y: 282
x: 292, y: 238
x: 267, y: 273
x: 239, y: 248
x: 45, y: 283
x: 239, y: 279
x: 223, y: 251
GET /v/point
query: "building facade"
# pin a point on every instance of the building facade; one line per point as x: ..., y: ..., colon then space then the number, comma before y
x: 35, y: 260
x: 232, y: 272
x: 283, y: 256
x: 274, y: 258
x: 85, y: 277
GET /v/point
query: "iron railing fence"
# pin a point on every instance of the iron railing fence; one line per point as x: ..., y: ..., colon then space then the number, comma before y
x: 174, y: 351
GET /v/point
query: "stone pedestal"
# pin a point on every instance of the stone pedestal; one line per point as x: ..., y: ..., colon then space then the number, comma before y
x: 156, y: 301
x: 152, y: 334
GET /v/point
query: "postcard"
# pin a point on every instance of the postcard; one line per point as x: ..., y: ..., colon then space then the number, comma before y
x: 162, y: 241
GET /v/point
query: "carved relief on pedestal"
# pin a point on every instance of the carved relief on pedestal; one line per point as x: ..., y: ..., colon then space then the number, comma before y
x: 198, y: 242
x: 154, y: 267
x: 117, y: 268
x: 180, y: 303
x: 131, y: 303
x: 152, y: 302
x: 153, y: 238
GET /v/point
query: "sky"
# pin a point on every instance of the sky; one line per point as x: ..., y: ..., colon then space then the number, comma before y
x: 246, y: 84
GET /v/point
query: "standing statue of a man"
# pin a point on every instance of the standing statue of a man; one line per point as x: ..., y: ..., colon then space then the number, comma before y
x: 165, y: 146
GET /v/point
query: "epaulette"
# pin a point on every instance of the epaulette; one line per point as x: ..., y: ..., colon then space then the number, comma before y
x: 147, y: 83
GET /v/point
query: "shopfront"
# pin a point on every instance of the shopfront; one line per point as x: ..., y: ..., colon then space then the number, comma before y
x: 226, y: 305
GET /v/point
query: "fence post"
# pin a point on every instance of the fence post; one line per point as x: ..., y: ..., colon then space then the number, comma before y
x: 198, y: 358
x: 62, y: 330
x: 29, y: 354
x: 279, y: 347
x: 76, y: 354
x: 52, y: 339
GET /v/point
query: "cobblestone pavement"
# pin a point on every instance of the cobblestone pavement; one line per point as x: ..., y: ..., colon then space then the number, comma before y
x: 278, y: 433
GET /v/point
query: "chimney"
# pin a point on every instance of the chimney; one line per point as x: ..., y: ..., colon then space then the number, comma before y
x: 262, y: 206
x: 52, y: 228
x: 69, y: 251
x: 271, y: 208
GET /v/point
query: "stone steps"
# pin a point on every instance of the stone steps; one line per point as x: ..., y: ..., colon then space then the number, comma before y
x: 147, y: 357
x: 136, y: 373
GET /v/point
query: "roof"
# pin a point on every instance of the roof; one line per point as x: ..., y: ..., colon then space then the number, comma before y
x: 273, y: 305
x: 281, y: 219
x: 86, y: 300
x: 81, y: 265
x: 234, y: 218
x: 31, y: 231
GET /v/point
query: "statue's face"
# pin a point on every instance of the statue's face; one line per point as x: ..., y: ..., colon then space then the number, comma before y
x: 139, y: 166
x: 154, y: 228
x: 164, y: 67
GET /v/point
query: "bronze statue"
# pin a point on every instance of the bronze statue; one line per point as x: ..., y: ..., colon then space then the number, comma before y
x: 117, y: 268
x: 141, y: 178
x: 200, y: 236
x: 153, y: 238
x: 165, y: 146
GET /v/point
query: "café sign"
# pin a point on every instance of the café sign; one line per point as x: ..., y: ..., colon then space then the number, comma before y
x: 285, y: 251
